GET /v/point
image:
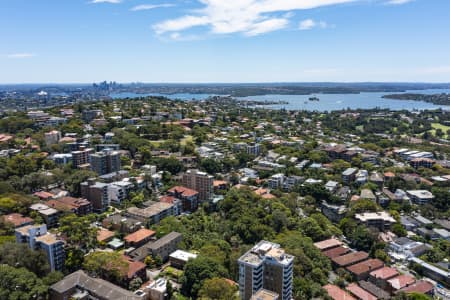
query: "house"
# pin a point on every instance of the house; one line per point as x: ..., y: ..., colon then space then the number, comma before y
x: 442, y: 233
x: 179, y: 258
x: 162, y: 247
x: 17, y: 220
x: 152, y: 214
x: 349, y: 259
x: 380, y: 220
x: 381, y: 276
x: 368, y: 195
x: 421, y: 286
x: 360, y: 293
x: 334, y: 213
x: 79, y: 206
x: 80, y: 285
x: 335, y: 252
x: 420, y: 196
x: 104, y: 235
x: 374, y: 290
x: 349, y: 175
x: 121, y: 223
x: 361, y: 271
x: 138, y: 238
x: 435, y: 273
x: 336, y: 293
x: 328, y: 244
x: 400, y: 282
x: 332, y: 186
x: 404, y: 248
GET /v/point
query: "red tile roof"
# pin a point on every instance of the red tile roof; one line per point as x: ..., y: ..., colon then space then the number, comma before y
x: 384, y: 273
x: 17, y: 219
x: 360, y: 293
x: 104, y: 234
x: 139, y: 235
x: 133, y: 266
x: 167, y: 199
x: 421, y: 286
x: 218, y: 183
x: 44, y: 195
x: 366, y: 266
x: 328, y: 244
x: 337, y: 293
x: 401, y: 281
x: 184, y: 191
x: 350, y: 258
x: 335, y: 252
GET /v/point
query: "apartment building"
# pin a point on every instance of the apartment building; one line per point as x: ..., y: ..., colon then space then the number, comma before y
x: 52, y: 137
x: 81, y: 158
x: 105, y: 162
x: 201, y: 182
x: 37, y: 237
x: 266, y: 266
x: 96, y: 193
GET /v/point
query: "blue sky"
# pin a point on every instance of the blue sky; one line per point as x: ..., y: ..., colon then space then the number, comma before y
x: 72, y: 41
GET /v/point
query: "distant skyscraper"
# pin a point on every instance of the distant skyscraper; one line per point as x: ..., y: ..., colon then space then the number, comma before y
x: 201, y: 182
x: 266, y: 266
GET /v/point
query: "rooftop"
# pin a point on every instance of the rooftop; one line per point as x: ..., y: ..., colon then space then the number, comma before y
x: 264, y: 295
x: 366, y: 266
x: 94, y: 286
x: 182, y: 255
x: 371, y: 216
x: 139, y: 235
x: 421, y: 286
x: 47, y: 239
x: 359, y: 292
x: 401, y: 281
x: 335, y: 252
x: 263, y: 249
x: 337, y: 293
x: 384, y: 273
x: 16, y: 219
x: 327, y: 244
x: 350, y: 258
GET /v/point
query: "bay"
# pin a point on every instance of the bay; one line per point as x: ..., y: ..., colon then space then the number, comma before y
x: 327, y: 102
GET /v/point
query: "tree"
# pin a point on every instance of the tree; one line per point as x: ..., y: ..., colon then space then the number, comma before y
x: 108, y: 265
x: 78, y: 231
x: 218, y: 289
x: 196, y: 271
x: 169, y: 289
x: 135, y: 284
x: 399, y: 230
x: 19, y: 283
x: 20, y: 255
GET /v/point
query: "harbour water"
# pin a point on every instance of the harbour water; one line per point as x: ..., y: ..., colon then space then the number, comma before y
x: 327, y: 102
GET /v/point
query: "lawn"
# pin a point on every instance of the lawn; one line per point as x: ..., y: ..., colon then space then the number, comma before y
x: 444, y: 128
x: 186, y: 139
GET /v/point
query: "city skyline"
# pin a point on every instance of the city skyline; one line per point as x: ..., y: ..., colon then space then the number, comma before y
x: 211, y: 41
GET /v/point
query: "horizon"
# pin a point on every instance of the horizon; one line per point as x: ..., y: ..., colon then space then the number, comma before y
x: 211, y: 41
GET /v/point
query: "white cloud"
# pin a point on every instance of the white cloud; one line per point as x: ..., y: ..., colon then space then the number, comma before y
x: 250, y: 17
x: 151, y: 6
x: 398, y: 2
x: 21, y: 55
x: 310, y: 24
x: 106, y: 1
